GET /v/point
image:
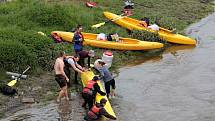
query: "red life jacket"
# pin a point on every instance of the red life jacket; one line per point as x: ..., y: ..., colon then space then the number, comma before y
x: 89, y: 88
x: 94, y: 112
x: 57, y: 38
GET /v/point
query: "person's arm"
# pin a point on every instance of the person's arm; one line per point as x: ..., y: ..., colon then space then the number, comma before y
x: 62, y: 71
x: 69, y: 56
x: 72, y: 63
x: 97, y: 88
x: 76, y: 69
x: 88, y: 62
x: 79, y: 67
x: 101, y: 72
x: 106, y: 114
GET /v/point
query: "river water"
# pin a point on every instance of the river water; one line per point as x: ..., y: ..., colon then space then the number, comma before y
x: 178, y: 86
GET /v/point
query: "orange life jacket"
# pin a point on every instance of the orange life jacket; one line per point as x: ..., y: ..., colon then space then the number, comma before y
x: 94, y: 112
x: 89, y: 88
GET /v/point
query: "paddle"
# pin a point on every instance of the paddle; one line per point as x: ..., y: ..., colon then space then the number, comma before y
x: 13, y: 82
x: 103, y: 23
x: 8, y: 89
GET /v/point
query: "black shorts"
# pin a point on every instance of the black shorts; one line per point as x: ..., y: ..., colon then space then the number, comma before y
x: 61, y: 80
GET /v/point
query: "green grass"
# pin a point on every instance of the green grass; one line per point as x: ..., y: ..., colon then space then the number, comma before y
x: 22, y: 19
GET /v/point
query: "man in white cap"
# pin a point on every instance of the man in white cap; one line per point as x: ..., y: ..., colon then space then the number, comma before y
x: 85, y: 54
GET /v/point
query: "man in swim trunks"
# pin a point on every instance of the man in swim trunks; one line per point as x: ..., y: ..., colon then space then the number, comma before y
x: 60, y: 76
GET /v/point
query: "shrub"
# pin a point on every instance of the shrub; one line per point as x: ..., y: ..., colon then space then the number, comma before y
x: 37, y: 45
x: 15, y: 55
x: 47, y: 15
x: 147, y: 36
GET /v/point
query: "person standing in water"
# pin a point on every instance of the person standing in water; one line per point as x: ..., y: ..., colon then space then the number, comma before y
x: 97, y: 111
x: 61, y: 77
x: 71, y: 62
x: 90, y: 90
x: 106, y: 77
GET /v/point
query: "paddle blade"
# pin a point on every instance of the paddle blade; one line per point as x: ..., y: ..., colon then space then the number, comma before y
x: 12, y: 83
x: 98, y: 25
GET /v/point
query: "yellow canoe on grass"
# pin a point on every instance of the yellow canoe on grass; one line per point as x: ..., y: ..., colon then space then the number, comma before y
x: 88, y: 75
x: 124, y: 44
x: 133, y: 24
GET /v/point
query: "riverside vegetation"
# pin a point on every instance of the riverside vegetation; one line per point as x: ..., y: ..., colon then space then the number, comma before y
x: 20, y: 20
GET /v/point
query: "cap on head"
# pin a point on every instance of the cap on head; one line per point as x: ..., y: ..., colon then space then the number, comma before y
x: 103, y: 101
x: 91, y: 53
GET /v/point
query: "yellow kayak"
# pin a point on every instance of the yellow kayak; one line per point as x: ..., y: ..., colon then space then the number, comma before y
x: 124, y: 44
x: 133, y: 24
x: 88, y: 75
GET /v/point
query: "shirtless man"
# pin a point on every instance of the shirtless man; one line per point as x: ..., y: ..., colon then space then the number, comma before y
x: 60, y: 76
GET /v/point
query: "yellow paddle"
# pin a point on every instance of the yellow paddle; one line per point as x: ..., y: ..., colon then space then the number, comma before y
x: 13, y: 82
x: 103, y: 23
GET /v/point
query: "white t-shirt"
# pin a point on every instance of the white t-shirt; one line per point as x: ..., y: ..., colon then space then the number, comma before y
x: 154, y: 27
x: 71, y: 61
x: 101, y: 36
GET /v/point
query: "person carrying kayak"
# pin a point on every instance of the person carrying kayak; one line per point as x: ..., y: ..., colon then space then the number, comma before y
x: 71, y: 62
x: 106, y: 77
x: 97, y: 111
x: 85, y: 54
x: 78, y: 39
x: 89, y: 92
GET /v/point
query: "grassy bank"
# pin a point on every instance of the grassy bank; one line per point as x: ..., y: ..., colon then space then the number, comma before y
x: 20, y: 20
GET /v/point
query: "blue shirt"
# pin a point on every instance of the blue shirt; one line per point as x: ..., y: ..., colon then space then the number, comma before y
x: 78, y: 40
x: 105, y: 73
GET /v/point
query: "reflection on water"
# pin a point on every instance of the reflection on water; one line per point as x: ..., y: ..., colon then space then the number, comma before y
x: 180, y: 86
x: 64, y: 110
x: 173, y: 50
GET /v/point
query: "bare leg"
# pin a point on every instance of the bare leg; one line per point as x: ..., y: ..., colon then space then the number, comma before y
x: 113, y: 92
x: 66, y: 92
x: 61, y: 93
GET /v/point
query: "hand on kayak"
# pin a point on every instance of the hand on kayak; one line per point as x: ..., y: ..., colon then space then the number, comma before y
x: 103, y: 94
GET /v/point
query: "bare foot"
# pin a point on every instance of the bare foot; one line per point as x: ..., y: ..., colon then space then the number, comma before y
x: 67, y: 98
x: 58, y: 100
